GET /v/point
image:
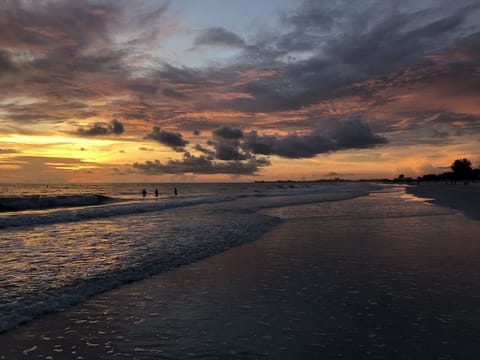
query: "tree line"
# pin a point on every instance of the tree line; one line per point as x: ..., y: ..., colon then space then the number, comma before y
x: 461, y: 170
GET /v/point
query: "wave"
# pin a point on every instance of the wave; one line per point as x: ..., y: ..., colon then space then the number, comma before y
x: 107, y: 254
x: 98, y: 212
x: 235, y: 231
x: 116, y: 207
x: 40, y: 202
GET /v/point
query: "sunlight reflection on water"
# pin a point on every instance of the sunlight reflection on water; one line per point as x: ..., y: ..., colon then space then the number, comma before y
x: 411, y: 197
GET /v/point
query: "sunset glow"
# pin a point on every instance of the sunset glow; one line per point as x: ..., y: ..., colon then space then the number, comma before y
x: 153, y: 90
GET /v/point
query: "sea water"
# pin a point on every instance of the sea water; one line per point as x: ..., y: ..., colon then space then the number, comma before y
x: 61, y: 244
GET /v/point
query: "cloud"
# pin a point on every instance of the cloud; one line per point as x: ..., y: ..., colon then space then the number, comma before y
x: 168, y: 138
x: 227, y: 150
x: 202, y: 165
x: 315, y: 57
x: 114, y: 127
x: 6, y: 63
x: 37, y: 27
x: 9, y: 151
x: 409, y: 67
x: 226, y: 141
x: 228, y: 132
x: 84, y: 57
x: 218, y: 36
x: 172, y: 93
x: 351, y: 133
x: 39, y: 169
x: 204, y: 150
x: 235, y: 152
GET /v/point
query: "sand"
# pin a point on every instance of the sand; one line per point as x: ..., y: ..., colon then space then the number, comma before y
x: 316, y: 287
x: 465, y: 198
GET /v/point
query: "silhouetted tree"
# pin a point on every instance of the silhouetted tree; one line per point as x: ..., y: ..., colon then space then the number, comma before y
x: 447, y: 176
x: 462, y: 169
x: 429, y: 177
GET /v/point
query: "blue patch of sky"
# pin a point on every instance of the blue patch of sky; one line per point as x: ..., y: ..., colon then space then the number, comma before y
x: 245, y: 18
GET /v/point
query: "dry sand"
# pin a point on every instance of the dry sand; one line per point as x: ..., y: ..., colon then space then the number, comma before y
x: 316, y: 287
x: 465, y: 198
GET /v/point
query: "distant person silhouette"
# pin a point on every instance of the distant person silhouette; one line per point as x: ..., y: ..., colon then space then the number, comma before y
x: 156, y: 192
x: 175, y: 191
x: 144, y: 192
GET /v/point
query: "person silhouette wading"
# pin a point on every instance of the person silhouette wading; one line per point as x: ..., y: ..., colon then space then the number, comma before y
x: 144, y: 192
x: 156, y: 192
x: 175, y: 191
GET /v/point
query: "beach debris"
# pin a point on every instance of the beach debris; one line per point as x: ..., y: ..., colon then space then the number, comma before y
x: 91, y: 344
x: 33, y: 348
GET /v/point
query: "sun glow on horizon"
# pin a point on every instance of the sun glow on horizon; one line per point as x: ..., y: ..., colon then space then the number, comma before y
x: 166, y: 90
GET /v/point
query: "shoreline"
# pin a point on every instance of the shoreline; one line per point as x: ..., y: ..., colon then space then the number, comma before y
x: 464, y: 198
x: 131, y: 247
x: 315, y: 286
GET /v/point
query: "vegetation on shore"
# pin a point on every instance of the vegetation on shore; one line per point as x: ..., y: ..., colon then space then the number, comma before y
x: 461, y: 170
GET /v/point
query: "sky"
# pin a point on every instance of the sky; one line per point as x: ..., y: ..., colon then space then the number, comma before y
x: 220, y: 90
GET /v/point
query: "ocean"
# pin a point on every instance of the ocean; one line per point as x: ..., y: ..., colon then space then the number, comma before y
x: 62, y: 244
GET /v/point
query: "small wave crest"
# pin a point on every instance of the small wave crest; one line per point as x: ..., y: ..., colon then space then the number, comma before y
x: 111, y: 208
x: 39, y: 202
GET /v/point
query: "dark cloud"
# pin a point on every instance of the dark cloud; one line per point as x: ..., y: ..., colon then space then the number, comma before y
x: 228, y: 132
x: 144, y: 88
x: 202, y: 165
x: 232, y: 144
x: 210, y: 153
x: 229, y: 150
x: 183, y: 75
x: 174, y: 94
x: 70, y: 50
x: 6, y: 63
x: 226, y: 142
x: 352, y: 133
x: 218, y: 37
x: 196, y: 124
x: 168, y: 138
x: 318, y: 57
x: 95, y: 130
x: 433, y: 128
x: 115, y: 127
x: 450, y: 124
x: 32, y: 25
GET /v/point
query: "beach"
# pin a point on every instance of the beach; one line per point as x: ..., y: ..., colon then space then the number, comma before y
x: 464, y: 198
x: 381, y: 276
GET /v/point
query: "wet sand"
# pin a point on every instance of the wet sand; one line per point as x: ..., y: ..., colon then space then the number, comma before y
x: 334, y: 281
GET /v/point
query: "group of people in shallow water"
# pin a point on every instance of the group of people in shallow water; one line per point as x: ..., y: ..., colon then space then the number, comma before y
x: 144, y: 192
